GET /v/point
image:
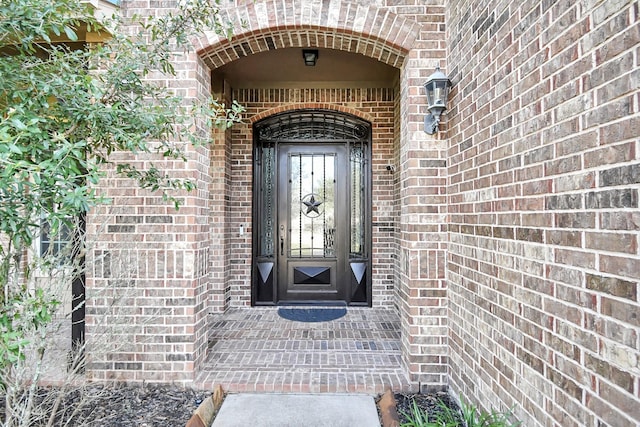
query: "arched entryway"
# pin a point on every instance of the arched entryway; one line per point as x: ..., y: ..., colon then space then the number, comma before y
x: 407, y: 170
x: 312, y: 209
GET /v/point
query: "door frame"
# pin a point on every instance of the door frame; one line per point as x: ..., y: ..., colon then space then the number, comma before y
x: 292, y: 128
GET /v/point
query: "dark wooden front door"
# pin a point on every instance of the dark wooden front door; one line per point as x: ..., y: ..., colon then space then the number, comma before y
x: 311, y: 209
x: 312, y: 222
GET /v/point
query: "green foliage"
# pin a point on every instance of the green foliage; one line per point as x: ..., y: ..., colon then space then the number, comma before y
x: 417, y: 417
x: 444, y: 416
x: 467, y: 416
x: 473, y: 417
x: 21, y: 314
x: 67, y: 108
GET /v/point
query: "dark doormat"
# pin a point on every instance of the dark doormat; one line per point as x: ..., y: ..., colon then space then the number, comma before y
x: 310, y: 314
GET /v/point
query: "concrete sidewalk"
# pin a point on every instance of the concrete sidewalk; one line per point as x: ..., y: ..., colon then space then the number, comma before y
x: 297, y: 410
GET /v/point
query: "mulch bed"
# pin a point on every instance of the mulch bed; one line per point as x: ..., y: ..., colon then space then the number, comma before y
x: 123, y: 406
x: 395, y: 408
x: 429, y: 403
x: 161, y: 405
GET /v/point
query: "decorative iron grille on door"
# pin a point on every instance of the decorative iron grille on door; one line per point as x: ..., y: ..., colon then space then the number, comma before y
x: 311, y: 208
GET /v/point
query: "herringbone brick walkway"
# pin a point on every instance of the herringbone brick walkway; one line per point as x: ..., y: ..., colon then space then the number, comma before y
x: 253, y: 349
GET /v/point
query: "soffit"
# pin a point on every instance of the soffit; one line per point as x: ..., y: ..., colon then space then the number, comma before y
x: 284, y: 68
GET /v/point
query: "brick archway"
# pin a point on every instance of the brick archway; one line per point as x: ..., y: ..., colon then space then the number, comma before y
x: 348, y: 26
x: 310, y: 105
x: 407, y: 42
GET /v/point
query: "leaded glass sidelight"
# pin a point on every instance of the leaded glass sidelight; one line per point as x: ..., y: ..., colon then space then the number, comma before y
x: 266, y: 202
x: 311, y: 205
x: 356, y: 165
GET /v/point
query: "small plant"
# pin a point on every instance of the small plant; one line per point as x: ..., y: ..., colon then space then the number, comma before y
x: 417, y: 417
x: 443, y: 416
x: 473, y: 417
x: 446, y: 416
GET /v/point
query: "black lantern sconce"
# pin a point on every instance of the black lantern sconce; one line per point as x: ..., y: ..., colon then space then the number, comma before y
x: 437, y: 88
x: 310, y: 57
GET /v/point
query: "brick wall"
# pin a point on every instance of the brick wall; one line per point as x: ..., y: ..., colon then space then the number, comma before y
x: 143, y: 306
x: 220, y: 214
x: 543, y: 263
x: 508, y: 242
x: 148, y: 287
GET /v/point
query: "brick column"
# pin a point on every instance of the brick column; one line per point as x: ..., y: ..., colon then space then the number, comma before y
x: 220, y: 210
x: 423, y: 237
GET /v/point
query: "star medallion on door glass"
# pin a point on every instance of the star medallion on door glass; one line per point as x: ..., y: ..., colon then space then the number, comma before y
x: 311, y: 205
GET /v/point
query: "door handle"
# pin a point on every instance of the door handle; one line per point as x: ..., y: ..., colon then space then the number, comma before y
x: 281, y: 239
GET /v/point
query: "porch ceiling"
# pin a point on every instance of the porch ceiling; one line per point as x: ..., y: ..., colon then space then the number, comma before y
x: 284, y: 68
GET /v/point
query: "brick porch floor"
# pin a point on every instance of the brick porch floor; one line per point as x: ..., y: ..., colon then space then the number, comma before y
x: 253, y: 349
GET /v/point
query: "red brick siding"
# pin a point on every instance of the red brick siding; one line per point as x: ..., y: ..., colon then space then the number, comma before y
x: 156, y: 319
x: 543, y: 263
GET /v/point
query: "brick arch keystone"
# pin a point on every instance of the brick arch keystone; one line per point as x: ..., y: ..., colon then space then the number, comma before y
x: 310, y: 105
x: 262, y: 26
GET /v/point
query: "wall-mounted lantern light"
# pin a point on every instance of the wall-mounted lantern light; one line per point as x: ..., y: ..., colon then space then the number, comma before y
x: 310, y: 57
x: 437, y: 88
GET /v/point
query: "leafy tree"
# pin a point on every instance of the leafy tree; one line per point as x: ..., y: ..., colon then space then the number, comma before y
x: 66, y: 107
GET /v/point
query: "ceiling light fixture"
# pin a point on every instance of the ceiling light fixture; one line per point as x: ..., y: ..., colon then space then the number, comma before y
x: 310, y: 57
